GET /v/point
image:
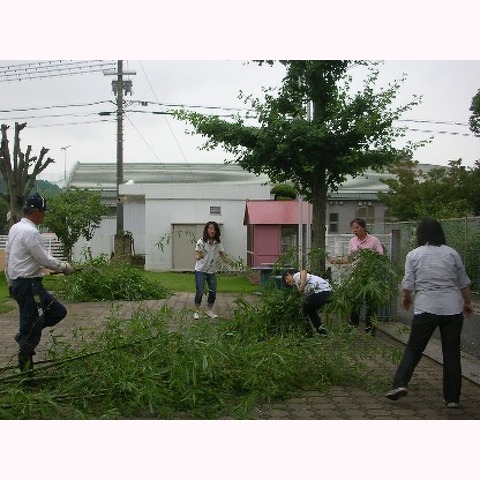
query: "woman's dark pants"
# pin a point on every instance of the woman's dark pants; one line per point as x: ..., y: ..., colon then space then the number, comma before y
x: 312, y: 303
x: 423, y: 326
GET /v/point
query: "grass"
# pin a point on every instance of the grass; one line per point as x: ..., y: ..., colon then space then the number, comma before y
x: 173, y: 281
x: 185, y: 282
x: 203, y: 370
x: 140, y: 369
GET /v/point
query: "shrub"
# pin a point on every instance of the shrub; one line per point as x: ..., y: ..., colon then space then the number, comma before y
x: 101, y: 280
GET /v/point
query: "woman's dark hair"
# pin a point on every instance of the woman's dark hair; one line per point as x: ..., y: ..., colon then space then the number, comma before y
x: 430, y: 231
x: 217, y: 231
x: 289, y: 271
x: 361, y: 222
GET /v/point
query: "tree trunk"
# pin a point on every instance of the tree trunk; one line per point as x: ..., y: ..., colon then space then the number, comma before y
x: 16, y: 172
x: 319, y: 203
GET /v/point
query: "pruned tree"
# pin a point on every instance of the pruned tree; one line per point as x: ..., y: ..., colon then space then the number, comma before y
x: 19, y: 170
x: 347, y: 132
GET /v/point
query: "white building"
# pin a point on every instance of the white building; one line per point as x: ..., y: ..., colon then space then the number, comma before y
x: 167, y: 205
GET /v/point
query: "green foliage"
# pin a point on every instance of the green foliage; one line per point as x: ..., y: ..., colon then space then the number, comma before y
x: 102, y: 280
x: 372, y: 279
x: 442, y: 192
x: 283, y: 191
x: 203, y: 370
x: 75, y: 213
x: 474, y: 120
x: 349, y: 131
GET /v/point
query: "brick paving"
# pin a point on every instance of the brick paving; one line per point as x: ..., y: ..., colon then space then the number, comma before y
x: 424, y: 401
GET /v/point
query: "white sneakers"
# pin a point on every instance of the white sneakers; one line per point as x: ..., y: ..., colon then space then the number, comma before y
x: 397, y: 393
x: 209, y: 313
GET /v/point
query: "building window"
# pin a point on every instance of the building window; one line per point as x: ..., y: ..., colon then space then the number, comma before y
x: 365, y: 211
x: 333, y: 223
x: 214, y: 210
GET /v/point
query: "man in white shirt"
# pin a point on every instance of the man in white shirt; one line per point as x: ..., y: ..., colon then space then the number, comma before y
x: 26, y: 258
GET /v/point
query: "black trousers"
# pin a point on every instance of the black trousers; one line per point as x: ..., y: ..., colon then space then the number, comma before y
x: 423, y: 326
x: 312, y: 303
x: 37, y: 309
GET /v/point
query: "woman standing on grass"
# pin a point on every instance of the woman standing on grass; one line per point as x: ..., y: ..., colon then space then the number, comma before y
x: 436, y: 274
x: 207, y: 251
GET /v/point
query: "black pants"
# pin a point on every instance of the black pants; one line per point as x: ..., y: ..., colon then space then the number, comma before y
x: 423, y: 326
x: 37, y: 309
x: 312, y: 303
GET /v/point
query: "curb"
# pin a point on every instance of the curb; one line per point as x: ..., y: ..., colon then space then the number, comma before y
x: 400, y: 332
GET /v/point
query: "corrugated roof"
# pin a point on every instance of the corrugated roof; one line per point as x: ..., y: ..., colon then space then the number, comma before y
x: 104, y: 175
x: 274, y: 212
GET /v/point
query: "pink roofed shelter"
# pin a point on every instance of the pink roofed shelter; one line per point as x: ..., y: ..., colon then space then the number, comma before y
x: 272, y: 228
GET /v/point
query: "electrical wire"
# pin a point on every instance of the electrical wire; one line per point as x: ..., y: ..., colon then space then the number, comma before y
x: 169, y: 126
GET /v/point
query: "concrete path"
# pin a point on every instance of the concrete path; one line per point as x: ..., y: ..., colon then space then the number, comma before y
x: 424, y: 401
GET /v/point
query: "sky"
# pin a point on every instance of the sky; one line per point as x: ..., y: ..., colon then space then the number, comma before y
x: 77, y: 133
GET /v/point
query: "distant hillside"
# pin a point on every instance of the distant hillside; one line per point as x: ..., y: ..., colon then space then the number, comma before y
x: 47, y: 189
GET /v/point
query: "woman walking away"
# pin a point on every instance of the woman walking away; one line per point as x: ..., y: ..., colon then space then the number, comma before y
x: 207, y: 250
x: 436, y: 274
x: 316, y: 292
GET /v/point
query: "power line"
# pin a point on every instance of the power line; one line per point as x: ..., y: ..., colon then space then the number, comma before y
x: 170, y: 127
x: 53, y: 68
x: 436, y: 122
x: 51, y: 107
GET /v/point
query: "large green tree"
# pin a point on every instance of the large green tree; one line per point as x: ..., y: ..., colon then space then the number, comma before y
x: 75, y: 213
x: 441, y: 192
x: 314, y: 131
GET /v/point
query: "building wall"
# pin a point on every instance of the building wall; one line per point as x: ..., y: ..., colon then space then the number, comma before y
x: 168, y: 205
x: 152, y: 210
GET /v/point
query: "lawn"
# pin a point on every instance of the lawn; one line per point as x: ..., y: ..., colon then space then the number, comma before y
x: 173, y: 281
x: 185, y: 282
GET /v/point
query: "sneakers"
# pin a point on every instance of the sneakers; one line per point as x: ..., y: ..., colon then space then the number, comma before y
x: 396, y: 393
x: 451, y: 404
x: 322, y: 331
x: 209, y: 313
x: 370, y: 331
x: 25, y: 363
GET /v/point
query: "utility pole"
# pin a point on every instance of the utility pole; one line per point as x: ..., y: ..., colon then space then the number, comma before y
x: 65, y: 164
x: 119, y: 145
x: 121, y: 248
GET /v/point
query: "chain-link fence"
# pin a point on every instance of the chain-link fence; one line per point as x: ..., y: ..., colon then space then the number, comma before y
x: 462, y: 234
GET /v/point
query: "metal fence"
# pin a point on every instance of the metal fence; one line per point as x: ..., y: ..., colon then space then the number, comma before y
x: 50, y: 240
x: 462, y: 234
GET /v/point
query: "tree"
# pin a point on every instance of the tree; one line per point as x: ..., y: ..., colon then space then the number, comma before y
x: 475, y: 117
x: 17, y: 172
x: 347, y: 133
x: 283, y: 191
x: 442, y: 192
x: 75, y: 213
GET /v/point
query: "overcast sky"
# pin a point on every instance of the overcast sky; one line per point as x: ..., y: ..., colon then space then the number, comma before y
x: 447, y: 88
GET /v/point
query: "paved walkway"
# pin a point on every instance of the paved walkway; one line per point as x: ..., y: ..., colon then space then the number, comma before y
x: 424, y: 401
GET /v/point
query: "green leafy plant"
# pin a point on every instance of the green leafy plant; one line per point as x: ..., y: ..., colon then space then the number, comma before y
x: 139, y: 368
x: 372, y: 279
x: 102, y: 280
